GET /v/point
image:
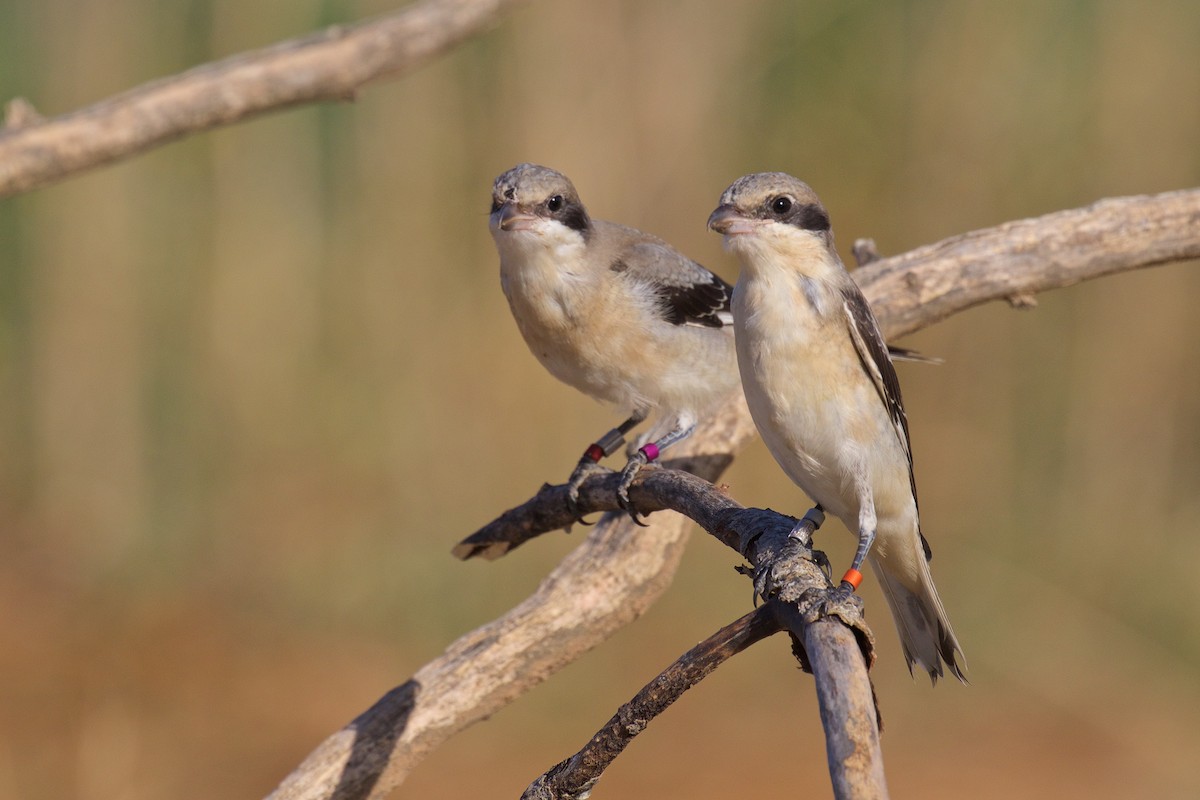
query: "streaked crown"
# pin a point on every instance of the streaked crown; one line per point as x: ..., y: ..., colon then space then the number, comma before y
x: 542, y: 192
x: 779, y: 197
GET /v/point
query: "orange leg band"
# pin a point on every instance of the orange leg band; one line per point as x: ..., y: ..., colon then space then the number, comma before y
x: 853, y: 577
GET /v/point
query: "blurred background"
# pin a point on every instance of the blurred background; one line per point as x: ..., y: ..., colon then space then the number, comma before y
x: 254, y: 385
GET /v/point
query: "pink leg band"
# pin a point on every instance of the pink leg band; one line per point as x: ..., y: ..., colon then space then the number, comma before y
x: 650, y: 451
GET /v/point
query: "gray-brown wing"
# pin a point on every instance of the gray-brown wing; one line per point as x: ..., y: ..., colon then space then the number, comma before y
x: 690, y: 294
x: 873, y: 355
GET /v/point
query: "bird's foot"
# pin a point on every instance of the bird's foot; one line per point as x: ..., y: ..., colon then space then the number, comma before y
x: 840, y: 602
x: 583, y: 470
x: 636, y: 462
x: 768, y: 578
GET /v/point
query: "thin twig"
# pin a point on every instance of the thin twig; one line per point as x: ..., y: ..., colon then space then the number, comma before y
x: 547, y: 511
x: 575, y: 777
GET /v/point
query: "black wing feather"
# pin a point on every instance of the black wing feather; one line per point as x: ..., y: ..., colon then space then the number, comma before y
x: 705, y: 303
x: 877, y: 363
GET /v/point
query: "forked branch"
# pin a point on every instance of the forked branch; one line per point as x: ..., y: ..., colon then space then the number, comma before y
x: 834, y: 644
x: 827, y: 641
x: 622, y: 570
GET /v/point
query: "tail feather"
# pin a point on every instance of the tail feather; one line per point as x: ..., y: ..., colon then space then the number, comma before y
x: 925, y: 632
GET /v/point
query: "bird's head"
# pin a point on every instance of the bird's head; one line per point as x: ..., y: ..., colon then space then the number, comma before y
x: 537, y: 204
x: 769, y: 215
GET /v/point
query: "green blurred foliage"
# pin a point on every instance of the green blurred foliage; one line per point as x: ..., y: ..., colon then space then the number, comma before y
x: 255, y: 384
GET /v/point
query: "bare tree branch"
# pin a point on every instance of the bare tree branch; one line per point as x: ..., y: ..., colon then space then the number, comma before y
x: 621, y: 569
x: 833, y: 643
x: 1016, y: 260
x: 330, y: 65
x: 547, y: 510
x: 849, y: 715
x: 576, y: 776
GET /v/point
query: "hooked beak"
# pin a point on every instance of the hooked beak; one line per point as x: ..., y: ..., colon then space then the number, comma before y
x: 509, y: 217
x: 728, y: 221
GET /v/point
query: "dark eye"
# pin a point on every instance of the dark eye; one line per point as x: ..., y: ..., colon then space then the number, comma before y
x: 554, y: 203
x: 781, y: 205
x: 496, y: 204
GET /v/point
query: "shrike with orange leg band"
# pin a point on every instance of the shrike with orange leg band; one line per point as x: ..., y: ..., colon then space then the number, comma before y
x: 825, y: 397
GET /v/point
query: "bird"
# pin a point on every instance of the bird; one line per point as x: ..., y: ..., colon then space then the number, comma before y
x: 614, y: 312
x: 825, y: 397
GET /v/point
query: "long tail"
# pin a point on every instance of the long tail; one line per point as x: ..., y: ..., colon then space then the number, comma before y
x: 921, y: 621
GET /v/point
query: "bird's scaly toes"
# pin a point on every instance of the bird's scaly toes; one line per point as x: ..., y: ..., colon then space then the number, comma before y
x: 636, y: 462
x: 583, y: 470
x: 840, y: 602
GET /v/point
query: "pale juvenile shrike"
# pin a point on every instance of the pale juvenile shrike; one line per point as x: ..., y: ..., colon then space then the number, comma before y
x: 825, y: 397
x: 614, y: 312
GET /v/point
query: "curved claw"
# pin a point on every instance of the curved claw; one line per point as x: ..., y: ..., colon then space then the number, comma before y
x: 576, y: 480
x: 573, y: 506
x: 625, y: 504
x: 636, y: 462
x: 633, y: 515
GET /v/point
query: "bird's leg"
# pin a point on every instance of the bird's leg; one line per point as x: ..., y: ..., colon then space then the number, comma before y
x: 841, y: 600
x: 866, y: 537
x: 803, y: 532
x: 644, y: 455
x: 853, y: 577
x: 808, y: 525
x: 589, y: 463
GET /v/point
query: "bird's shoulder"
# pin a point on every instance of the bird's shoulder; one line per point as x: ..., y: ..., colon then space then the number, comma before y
x: 688, y: 292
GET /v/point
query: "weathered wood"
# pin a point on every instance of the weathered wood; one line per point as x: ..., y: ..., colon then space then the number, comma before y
x: 1019, y: 259
x: 622, y: 569
x: 832, y: 642
x: 848, y: 713
x: 330, y: 65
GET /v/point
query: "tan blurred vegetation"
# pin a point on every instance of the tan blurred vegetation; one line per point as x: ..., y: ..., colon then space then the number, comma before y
x: 254, y: 385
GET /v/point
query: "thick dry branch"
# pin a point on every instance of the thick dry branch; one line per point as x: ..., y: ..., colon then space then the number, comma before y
x: 849, y: 714
x: 1017, y: 260
x: 621, y: 569
x: 330, y: 65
